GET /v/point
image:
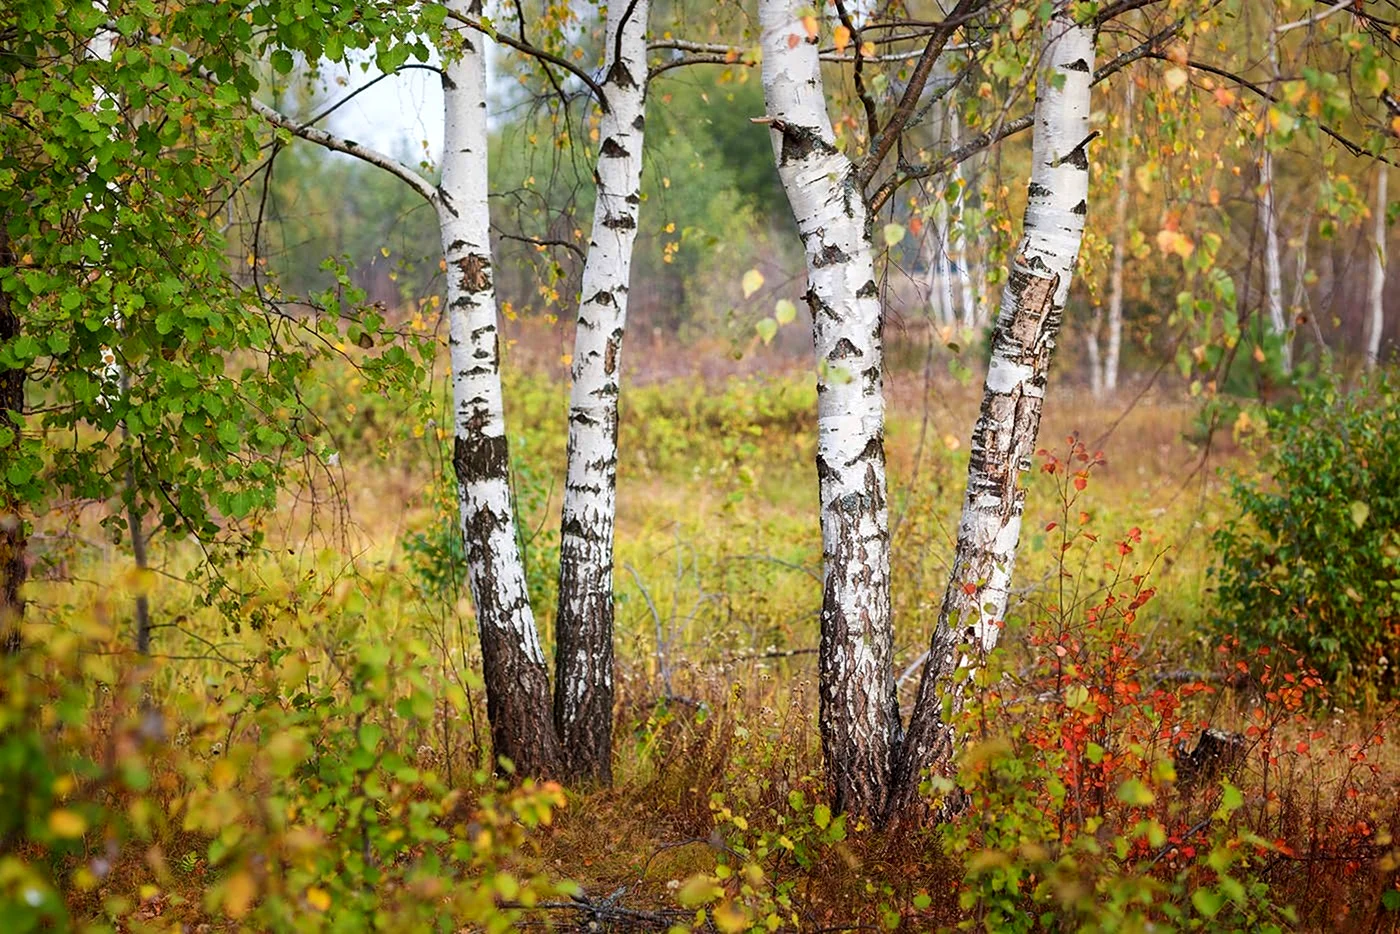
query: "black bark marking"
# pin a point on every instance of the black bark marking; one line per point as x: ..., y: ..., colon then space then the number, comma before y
x: 1078, y: 65
x: 1037, y: 190
x: 602, y: 297
x: 869, y: 290
x: 639, y: 123
x: 479, y: 457
x: 829, y: 255
x: 799, y: 142
x: 620, y: 76
x: 843, y: 350
x: 619, y: 222
x: 1082, y: 208
x: 476, y: 273
x: 613, y: 149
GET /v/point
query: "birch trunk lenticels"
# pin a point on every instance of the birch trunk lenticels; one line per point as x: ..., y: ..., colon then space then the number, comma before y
x: 516, y: 674
x: 583, y: 698
x: 858, y: 710
x: 1004, y: 437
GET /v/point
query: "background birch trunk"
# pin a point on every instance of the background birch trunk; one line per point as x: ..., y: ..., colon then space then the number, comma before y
x: 1004, y: 437
x: 1120, y: 249
x: 583, y: 699
x: 859, y: 714
x: 1376, y: 318
x: 1273, y: 258
x: 516, y: 674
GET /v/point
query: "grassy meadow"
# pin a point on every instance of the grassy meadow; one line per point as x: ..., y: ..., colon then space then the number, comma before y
x: 312, y: 755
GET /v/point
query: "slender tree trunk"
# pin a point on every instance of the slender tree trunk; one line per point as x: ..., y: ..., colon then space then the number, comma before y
x: 1004, y: 437
x: 514, y: 667
x: 1273, y: 258
x: 1120, y: 249
x: 1092, y: 345
x: 583, y: 697
x: 12, y: 538
x: 1273, y: 263
x: 858, y: 710
x: 1378, y: 257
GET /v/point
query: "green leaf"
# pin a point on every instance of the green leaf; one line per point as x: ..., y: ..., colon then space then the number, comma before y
x: 752, y: 282
x: 785, y: 311
x: 1359, y: 513
x: 282, y: 61
x: 1208, y: 901
x: 893, y: 234
x: 767, y: 329
x: 821, y: 816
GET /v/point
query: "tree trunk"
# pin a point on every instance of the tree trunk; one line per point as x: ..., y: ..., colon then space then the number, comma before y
x: 583, y: 698
x: 1003, y: 440
x: 1273, y: 263
x: 858, y: 711
x: 1120, y: 249
x: 516, y: 675
x: 12, y: 538
x: 1377, y: 297
x: 1273, y: 258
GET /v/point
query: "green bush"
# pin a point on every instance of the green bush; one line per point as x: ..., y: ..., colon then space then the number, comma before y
x: 1313, y: 560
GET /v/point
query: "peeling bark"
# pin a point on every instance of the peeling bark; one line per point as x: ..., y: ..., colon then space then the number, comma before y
x: 583, y: 698
x: 858, y: 710
x: 1376, y: 315
x: 13, y: 541
x: 1004, y: 437
x: 514, y: 667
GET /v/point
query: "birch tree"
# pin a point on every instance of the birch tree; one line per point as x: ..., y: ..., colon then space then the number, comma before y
x: 1376, y: 305
x: 1004, y: 437
x: 583, y: 698
x: 575, y: 739
x: 858, y: 708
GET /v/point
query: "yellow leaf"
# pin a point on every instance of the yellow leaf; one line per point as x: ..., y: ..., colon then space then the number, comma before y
x: 67, y: 824
x: 1174, y: 78
x: 809, y: 23
x: 319, y: 899
x: 867, y: 49
x: 842, y: 37
x: 752, y: 282
x: 239, y: 892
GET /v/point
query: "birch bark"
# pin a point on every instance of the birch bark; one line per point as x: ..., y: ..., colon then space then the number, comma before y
x: 1378, y: 257
x: 1004, y: 437
x: 858, y: 710
x: 583, y: 699
x: 1120, y: 249
x: 514, y: 667
x: 1273, y: 258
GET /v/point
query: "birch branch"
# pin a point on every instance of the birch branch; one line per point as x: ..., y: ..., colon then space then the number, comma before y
x: 351, y: 148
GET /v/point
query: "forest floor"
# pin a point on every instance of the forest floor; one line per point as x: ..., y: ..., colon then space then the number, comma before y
x: 718, y: 767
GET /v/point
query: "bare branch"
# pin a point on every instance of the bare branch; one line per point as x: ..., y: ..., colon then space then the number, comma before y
x: 364, y: 153
x: 537, y: 53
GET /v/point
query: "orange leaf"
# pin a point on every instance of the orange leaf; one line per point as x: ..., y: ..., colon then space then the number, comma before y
x: 809, y: 23
x: 842, y: 37
x: 794, y: 40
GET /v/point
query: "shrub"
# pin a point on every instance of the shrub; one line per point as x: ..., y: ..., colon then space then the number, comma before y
x: 1313, y: 561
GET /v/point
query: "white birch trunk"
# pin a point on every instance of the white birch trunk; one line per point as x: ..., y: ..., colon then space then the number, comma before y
x: 583, y: 698
x: 1120, y: 249
x: 1004, y: 437
x: 1378, y: 257
x: 859, y: 713
x: 516, y: 675
x: 1273, y: 263
x: 1273, y: 258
